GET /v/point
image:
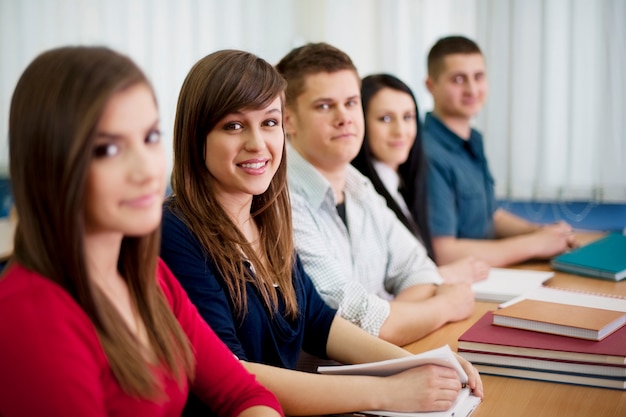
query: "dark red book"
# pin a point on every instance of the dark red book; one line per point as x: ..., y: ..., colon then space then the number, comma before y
x: 483, y: 336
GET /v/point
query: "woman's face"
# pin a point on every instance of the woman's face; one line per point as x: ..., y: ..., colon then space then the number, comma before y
x: 391, y: 126
x: 243, y: 152
x: 127, y: 173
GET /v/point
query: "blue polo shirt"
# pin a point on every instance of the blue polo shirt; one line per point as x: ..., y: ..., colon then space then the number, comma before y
x: 461, y: 199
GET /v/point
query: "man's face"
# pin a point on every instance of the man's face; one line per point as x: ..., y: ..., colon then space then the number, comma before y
x: 325, y: 124
x: 460, y: 90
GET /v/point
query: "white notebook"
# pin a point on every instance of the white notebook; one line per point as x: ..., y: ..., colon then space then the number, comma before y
x: 463, y: 406
x: 503, y: 284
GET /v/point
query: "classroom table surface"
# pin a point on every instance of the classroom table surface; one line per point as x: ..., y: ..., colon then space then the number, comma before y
x: 512, y: 397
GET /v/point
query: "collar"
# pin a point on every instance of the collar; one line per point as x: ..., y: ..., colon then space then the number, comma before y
x: 451, y: 140
x: 306, y: 180
x: 389, y: 177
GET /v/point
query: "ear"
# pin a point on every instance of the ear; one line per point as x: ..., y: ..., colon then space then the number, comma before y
x: 288, y: 122
x: 430, y: 84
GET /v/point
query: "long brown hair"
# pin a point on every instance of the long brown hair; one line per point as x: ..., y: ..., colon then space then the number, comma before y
x: 55, y: 110
x: 219, y: 84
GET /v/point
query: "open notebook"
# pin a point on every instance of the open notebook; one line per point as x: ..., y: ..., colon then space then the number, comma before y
x: 463, y: 406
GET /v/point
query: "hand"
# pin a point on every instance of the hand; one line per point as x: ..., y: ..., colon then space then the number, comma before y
x: 460, y: 299
x: 423, y: 388
x: 474, y: 381
x: 468, y: 269
x: 553, y: 239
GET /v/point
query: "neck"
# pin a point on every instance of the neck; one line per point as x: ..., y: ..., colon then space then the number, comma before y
x: 337, y: 180
x: 102, y: 251
x: 459, y: 125
x: 239, y: 213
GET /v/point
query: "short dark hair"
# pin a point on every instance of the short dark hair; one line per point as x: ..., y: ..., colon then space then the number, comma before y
x: 309, y: 59
x: 448, y: 46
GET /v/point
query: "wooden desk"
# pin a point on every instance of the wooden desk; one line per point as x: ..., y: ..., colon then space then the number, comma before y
x: 510, y: 397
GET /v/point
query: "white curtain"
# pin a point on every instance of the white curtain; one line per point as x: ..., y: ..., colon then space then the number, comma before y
x: 554, y: 121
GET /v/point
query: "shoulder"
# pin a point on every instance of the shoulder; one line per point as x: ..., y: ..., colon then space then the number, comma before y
x: 170, y: 219
x: 175, y: 234
x: 30, y: 296
x: 168, y: 282
x: 360, y: 187
x: 42, y: 314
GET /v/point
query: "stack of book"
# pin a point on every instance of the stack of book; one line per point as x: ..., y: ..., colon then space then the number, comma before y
x: 552, y: 334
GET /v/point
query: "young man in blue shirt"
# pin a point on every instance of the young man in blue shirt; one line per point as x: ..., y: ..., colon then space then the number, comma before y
x: 463, y: 214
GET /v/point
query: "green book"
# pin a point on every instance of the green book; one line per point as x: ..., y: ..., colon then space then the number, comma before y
x: 605, y: 258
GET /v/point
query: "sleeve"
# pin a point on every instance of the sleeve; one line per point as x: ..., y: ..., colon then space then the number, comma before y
x: 442, y: 216
x: 51, y: 362
x: 408, y: 263
x: 187, y: 259
x: 220, y: 381
x: 354, y: 302
x: 319, y: 316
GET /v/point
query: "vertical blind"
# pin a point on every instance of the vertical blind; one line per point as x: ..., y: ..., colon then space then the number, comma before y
x: 554, y: 120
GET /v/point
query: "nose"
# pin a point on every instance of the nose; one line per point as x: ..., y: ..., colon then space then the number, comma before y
x: 146, y: 163
x: 398, y: 127
x: 471, y: 86
x: 342, y: 116
x: 254, y: 141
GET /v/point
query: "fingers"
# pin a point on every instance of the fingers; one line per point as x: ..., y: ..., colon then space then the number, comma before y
x: 473, y: 377
x: 475, y: 383
x: 572, y: 241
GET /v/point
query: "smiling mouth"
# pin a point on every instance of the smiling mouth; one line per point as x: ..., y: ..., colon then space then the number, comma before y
x: 344, y: 136
x: 254, y: 165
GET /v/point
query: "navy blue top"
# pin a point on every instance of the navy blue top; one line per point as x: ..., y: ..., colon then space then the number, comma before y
x: 259, y: 337
x: 461, y: 199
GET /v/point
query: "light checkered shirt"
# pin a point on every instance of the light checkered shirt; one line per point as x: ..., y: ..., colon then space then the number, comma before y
x: 359, y: 268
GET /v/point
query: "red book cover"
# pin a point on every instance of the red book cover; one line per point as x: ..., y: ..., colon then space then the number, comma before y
x: 483, y: 336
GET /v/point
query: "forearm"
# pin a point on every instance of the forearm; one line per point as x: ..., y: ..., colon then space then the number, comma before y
x: 409, y: 321
x: 345, y: 335
x: 496, y: 252
x: 302, y: 393
x: 259, y: 411
x: 507, y: 224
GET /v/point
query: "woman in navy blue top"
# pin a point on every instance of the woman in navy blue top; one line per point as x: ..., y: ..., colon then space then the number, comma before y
x: 260, y: 337
x: 227, y: 236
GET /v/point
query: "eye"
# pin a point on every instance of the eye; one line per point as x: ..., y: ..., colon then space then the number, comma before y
x: 105, y: 150
x: 385, y: 119
x: 458, y: 79
x: 323, y: 106
x: 233, y: 126
x: 352, y: 103
x: 270, y: 123
x: 409, y: 116
x: 153, y: 137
